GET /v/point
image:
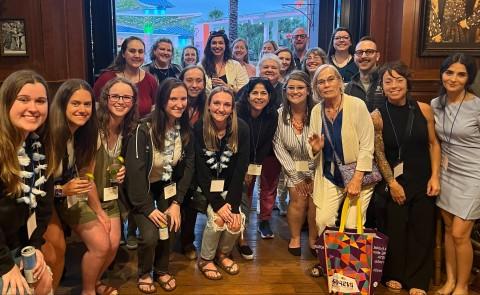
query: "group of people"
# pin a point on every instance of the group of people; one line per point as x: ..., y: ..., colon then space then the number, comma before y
x: 158, y: 143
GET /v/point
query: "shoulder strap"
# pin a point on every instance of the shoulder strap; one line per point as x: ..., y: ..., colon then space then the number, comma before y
x: 411, y: 116
x: 328, y: 136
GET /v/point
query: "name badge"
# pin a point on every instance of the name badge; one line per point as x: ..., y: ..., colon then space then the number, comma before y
x: 398, y: 170
x: 216, y: 186
x: 254, y: 169
x: 170, y: 190
x: 301, y: 166
x: 110, y: 193
x: 31, y: 224
x: 445, y: 162
x: 71, y: 201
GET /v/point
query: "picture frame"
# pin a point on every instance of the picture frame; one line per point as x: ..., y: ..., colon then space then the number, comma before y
x: 13, y: 39
x: 448, y: 26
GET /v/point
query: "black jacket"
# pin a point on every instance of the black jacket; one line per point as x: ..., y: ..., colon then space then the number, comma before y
x: 373, y: 96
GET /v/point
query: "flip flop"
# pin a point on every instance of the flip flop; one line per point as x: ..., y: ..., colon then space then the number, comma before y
x: 202, y: 267
x: 227, y: 268
x: 149, y: 284
x: 416, y: 291
x: 166, y: 285
x: 394, y: 286
x: 109, y: 290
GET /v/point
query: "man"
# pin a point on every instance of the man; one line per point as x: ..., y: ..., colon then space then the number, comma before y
x: 161, y: 66
x: 299, y: 43
x: 366, y: 83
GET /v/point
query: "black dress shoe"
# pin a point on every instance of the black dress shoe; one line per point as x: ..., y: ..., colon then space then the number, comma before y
x: 295, y: 251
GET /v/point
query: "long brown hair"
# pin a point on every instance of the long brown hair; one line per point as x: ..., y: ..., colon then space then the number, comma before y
x: 210, y: 131
x: 10, y: 136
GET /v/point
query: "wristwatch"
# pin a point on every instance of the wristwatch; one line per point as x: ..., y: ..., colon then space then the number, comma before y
x: 58, y: 189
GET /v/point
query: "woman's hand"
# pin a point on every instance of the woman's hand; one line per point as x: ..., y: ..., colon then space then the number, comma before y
x: 13, y: 281
x: 77, y: 186
x: 397, y: 192
x: 226, y: 213
x: 433, y: 186
x: 175, y: 216
x: 316, y: 142
x: 218, y: 82
x: 354, y: 187
x: 237, y: 220
x: 121, y: 174
x: 40, y: 266
x: 158, y: 218
x: 302, y: 189
x: 104, y: 220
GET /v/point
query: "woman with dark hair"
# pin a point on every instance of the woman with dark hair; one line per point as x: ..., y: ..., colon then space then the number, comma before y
x: 73, y: 134
x: 240, y: 54
x: 288, y: 65
x: 222, y: 148
x: 194, y: 79
x: 127, y: 64
x: 190, y: 56
x: 457, y: 113
x: 221, y: 68
x: 117, y: 118
x: 340, y: 53
x: 161, y: 66
x: 26, y: 189
x: 408, y: 156
x: 314, y: 58
x: 257, y: 107
x: 290, y: 146
x: 159, y: 162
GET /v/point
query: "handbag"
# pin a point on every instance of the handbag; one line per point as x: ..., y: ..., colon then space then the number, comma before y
x: 347, y: 170
x: 352, y: 259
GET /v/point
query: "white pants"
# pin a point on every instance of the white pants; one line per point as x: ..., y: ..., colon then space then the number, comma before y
x: 332, y: 197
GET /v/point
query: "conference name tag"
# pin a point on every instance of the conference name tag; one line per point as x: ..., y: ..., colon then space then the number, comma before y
x: 110, y: 193
x: 301, y: 166
x: 216, y: 186
x: 254, y: 169
x: 398, y: 170
x: 170, y: 190
x: 31, y: 224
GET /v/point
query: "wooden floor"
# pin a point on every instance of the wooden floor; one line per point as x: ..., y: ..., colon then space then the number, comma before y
x: 273, y: 271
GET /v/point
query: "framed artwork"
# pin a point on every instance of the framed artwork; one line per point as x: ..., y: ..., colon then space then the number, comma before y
x: 448, y: 26
x: 13, y: 38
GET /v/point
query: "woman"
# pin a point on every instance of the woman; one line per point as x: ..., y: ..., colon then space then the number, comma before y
x: 457, y: 111
x: 240, y: 54
x: 73, y: 140
x: 351, y: 134
x: 221, y: 68
x: 194, y: 79
x: 290, y: 146
x: 117, y: 118
x: 222, y: 151
x: 159, y: 163
x: 257, y: 107
x: 340, y: 53
x: 286, y: 56
x: 29, y: 197
x: 189, y: 56
x: 161, y: 66
x: 314, y: 58
x: 127, y: 65
x: 408, y: 155
x: 268, y: 46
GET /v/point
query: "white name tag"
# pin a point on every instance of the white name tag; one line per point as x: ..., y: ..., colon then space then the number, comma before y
x: 301, y: 166
x: 31, y: 224
x: 110, y: 193
x: 71, y: 201
x: 445, y: 162
x: 254, y: 169
x: 216, y: 186
x: 170, y: 190
x: 398, y: 170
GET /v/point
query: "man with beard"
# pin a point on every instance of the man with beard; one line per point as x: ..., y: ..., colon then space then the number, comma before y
x: 366, y: 83
x: 299, y: 43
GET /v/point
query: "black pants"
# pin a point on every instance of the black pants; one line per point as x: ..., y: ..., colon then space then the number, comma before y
x: 411, y: 232
x: 189, y: 219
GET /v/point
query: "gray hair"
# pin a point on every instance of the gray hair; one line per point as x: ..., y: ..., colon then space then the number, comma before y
x: 317, y: 73
x: 269, y: 56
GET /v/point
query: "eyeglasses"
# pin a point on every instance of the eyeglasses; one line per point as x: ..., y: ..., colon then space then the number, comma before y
x: 217, y: 33
x: 368, y: 52
x: 125, y: 98
x: 299, y: 36
x: 297, y: 88
x: 338, y: 38
x: 314, y: 58
x: 329, y: 80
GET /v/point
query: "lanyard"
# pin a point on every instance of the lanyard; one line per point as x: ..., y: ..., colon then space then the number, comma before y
x: 408, y: 130
x: 449, y: 138
x: 255, y: 144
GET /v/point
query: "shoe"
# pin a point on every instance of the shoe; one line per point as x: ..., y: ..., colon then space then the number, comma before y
x: 394, y: 286
x: 265, y: 230
x: 190, y: 252
x: 297, y: 251
x: 132, y: 243
x: 245, y: 251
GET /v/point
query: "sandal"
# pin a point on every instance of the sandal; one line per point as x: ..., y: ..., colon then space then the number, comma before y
x: 165, y: 285
x: 416, y: 291
x: 108, y: 290
x: 202, y: 267
x: 227, y: 268
x: 151, y: 287
x: 394, y: 286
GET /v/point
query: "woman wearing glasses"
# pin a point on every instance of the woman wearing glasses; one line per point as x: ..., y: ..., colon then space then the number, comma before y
x: 127, y: 65
x: 340, y: 53
x: 221, y: 68
x: 290, y: 146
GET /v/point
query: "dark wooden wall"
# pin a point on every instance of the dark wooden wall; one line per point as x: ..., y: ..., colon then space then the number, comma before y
x: 55, y: 36
x: 395, y: 24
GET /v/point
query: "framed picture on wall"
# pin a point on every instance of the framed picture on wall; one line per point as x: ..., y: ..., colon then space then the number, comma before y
x: 448, y: 26
x: 13, y: 38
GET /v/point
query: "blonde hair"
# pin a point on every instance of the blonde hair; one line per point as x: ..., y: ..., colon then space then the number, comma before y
x: 209, y: 129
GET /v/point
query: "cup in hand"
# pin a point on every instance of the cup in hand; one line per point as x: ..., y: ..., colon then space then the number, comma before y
x: 112, y: 172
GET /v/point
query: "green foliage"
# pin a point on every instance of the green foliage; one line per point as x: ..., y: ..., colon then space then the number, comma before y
x: 286, y: 26
x: 215, y: 14
x: 154, y: 22
x: 126, y: 4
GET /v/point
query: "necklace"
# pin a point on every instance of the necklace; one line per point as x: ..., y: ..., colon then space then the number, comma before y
x: 135, y: 82
x: 332, y: 111
x: 341, y: 64
x: 298, y: 125
x: 219, y: 69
